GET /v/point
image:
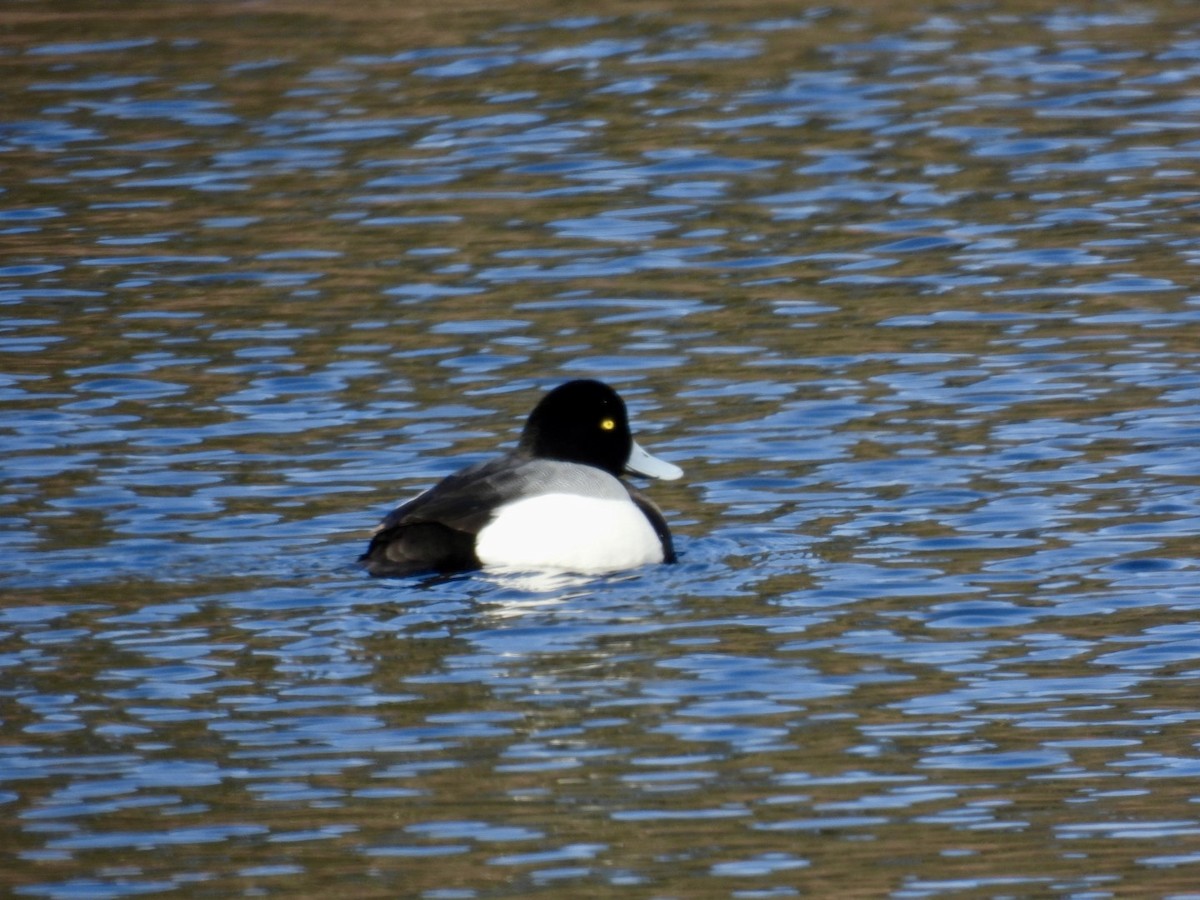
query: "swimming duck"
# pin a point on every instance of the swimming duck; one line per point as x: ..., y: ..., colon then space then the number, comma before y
x: 555, y: 502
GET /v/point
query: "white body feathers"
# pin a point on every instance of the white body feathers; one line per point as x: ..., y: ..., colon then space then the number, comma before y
x: 569, y: 532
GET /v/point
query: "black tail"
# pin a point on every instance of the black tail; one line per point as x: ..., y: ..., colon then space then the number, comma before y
x: 419, y: 547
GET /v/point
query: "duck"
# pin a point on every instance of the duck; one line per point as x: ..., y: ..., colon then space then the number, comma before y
x: 557, y: 501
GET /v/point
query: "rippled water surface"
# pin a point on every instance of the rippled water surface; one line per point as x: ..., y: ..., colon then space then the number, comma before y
x: 908, y: 290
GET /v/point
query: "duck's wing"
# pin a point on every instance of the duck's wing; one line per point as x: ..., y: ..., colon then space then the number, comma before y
x: 465, y: 500
x: 435, y: 531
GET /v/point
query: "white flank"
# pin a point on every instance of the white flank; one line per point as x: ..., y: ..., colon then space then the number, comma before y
x: 570, y: 533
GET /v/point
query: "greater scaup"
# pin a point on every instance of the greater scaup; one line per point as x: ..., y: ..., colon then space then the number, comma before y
x: 555, y: 502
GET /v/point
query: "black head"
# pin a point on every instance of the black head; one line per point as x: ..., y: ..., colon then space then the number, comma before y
x: 580, y: 421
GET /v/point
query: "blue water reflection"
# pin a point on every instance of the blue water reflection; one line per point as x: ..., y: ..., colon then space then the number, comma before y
x: 908, y: 295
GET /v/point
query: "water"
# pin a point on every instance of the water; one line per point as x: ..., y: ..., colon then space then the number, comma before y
x: 907, y: 292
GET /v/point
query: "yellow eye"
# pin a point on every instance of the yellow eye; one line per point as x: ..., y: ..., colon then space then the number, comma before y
x: 608, y: 424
